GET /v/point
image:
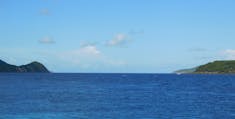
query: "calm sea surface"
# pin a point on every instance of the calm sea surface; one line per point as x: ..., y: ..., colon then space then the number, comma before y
x: 116, y: 96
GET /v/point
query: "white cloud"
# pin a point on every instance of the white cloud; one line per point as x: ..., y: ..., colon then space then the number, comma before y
x: 229, y: 54
x: 89, y: 57
x: 88, y: 50
x: 82, y: 55
x: 87, y: 43
x: 118, y: 40
x: 47, y: 40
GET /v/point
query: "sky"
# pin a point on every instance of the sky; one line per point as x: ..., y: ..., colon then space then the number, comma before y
x: 116, y: 36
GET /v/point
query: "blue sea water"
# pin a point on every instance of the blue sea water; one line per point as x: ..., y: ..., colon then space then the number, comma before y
x: 116, y: 96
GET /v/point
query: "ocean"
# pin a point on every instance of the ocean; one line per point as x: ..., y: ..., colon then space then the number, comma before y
x: 116, y: 96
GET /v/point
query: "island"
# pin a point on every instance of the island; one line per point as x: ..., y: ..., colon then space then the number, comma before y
x: 216, y: 67
x: 33, y: 67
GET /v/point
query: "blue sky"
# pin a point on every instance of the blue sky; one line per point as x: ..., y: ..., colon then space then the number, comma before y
x: 146, y: 36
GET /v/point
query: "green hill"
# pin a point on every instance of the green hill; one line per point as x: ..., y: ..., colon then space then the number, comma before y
x: 217, y: 67
x: 31, y: 67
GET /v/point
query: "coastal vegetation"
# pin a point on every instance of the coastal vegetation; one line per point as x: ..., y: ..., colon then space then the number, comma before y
x: 216, y: 67
x: 31, y: 67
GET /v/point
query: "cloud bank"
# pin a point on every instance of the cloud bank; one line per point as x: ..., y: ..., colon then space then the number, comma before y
x: 119, y: 39
x: 229, y: 54
x: 89, y: 57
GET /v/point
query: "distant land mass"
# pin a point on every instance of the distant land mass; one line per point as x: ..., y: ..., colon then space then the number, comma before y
x: 216, y: 67
x: 28, y: 68
x: 186, y: 71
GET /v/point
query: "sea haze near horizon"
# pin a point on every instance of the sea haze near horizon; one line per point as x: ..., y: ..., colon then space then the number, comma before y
x: 126, y: 96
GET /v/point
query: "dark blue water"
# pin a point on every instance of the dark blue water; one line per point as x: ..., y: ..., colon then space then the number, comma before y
x: 116, y: 96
